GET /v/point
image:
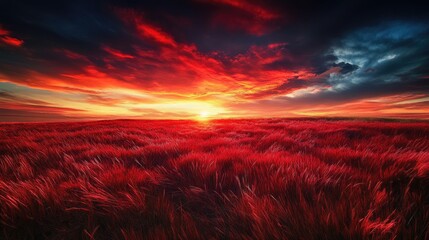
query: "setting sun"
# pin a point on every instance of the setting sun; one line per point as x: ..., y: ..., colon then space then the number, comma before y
x: 204, y: 116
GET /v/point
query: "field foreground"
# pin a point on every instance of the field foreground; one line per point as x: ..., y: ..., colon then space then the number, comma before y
x: 225, y: 179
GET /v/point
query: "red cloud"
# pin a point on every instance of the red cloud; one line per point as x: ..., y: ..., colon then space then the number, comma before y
x: 91, y: 78
x: 117, y: 53
x: 6, y: 38
x: 155, y: 33
x: 250, y: 8
x: 12, y: 41
x: 245, y: 15
x: 146, y: 29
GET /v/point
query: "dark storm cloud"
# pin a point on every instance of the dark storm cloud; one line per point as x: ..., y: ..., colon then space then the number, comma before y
x: 378, y: 61
x: 394, y: 53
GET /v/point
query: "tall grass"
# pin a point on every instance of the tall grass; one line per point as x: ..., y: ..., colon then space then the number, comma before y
x: 226, y: 179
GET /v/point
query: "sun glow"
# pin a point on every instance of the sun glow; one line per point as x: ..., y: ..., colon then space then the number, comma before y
x: 204, y: 116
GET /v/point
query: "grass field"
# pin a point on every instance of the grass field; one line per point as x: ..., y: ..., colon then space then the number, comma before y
x: 220, y: 179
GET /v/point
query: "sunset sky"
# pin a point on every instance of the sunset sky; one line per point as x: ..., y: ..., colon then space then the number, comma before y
x: 79, y: 60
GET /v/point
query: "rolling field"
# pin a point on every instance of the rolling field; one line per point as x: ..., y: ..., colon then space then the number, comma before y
x: 222, y: 179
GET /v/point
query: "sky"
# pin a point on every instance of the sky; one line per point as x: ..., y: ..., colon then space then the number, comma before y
x: 81, y: 60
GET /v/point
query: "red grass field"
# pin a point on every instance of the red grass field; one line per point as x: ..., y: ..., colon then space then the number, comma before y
x: 225, y: 179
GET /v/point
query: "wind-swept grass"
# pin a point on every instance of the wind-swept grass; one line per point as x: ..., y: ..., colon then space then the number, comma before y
x: 225, y: 179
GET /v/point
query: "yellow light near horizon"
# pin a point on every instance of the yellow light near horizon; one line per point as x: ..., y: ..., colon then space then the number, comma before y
x: 198, y: 110
x: 204, y: 116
